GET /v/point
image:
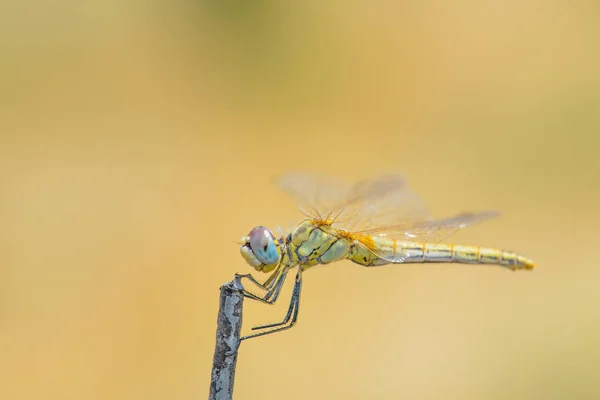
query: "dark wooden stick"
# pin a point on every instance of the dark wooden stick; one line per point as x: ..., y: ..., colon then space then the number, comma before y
x: 229, y: 326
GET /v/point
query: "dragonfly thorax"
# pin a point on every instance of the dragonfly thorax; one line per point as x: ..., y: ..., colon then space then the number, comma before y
x: 261, y: 249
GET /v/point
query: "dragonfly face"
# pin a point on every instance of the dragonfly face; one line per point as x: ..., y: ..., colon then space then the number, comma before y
x: 260, y: 249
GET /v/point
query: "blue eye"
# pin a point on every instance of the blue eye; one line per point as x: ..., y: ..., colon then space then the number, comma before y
x: 262, y: 243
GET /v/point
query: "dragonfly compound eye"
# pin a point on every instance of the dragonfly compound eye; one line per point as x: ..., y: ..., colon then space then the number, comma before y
x: 263, y: 245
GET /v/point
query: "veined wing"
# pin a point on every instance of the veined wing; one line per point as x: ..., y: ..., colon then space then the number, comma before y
x: 369, y: 204
x: 379, y: 206
x: 421, y: 232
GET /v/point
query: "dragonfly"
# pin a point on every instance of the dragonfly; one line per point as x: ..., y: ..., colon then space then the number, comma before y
x: 372, y: 222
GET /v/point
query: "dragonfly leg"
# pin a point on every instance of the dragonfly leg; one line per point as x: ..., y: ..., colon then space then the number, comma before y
x: 253, y: 280
x: 273, y: 294
x: 292, y: 313
x: 270, y: 282
x: 252, y: 296
x: 266, y: 285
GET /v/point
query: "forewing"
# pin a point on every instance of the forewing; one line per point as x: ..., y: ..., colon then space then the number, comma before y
x: 375, y: 202
x: 316, y: 195
x: 399, y: 206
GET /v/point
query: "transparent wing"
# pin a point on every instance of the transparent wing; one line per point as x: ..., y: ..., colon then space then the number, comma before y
x: 396, y: 207
x: 316, y: 195
x: 369, y: 204
x: 423, y: 232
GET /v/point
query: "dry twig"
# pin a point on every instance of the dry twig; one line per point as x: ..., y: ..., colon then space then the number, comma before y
x: 229, y: 326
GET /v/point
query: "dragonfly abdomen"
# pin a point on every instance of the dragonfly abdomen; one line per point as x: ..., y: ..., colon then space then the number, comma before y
x: 474, y: 255
x: 381, y: 251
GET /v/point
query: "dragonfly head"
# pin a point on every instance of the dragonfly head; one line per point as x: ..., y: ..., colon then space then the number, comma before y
x: 261, y: 250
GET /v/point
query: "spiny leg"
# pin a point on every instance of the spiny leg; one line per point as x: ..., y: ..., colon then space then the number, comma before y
x: 273, y: 294
x: 275, y: 286
x: 270, y: 282
x: 293, y: 305
x: 291, y: 309
x: 291, y: 313
x: 265, y: 285
x: 255, y: 297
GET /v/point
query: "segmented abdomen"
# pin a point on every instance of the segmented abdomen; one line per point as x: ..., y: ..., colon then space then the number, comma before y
x: 385, y: 251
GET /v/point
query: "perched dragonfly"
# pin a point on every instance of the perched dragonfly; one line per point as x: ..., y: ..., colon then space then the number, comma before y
x: 374, y: 222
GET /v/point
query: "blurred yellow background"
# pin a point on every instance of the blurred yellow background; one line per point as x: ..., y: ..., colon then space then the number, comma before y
x: 137, y: 145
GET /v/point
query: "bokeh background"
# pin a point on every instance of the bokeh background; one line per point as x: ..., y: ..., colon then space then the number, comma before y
x: 137, y: 145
